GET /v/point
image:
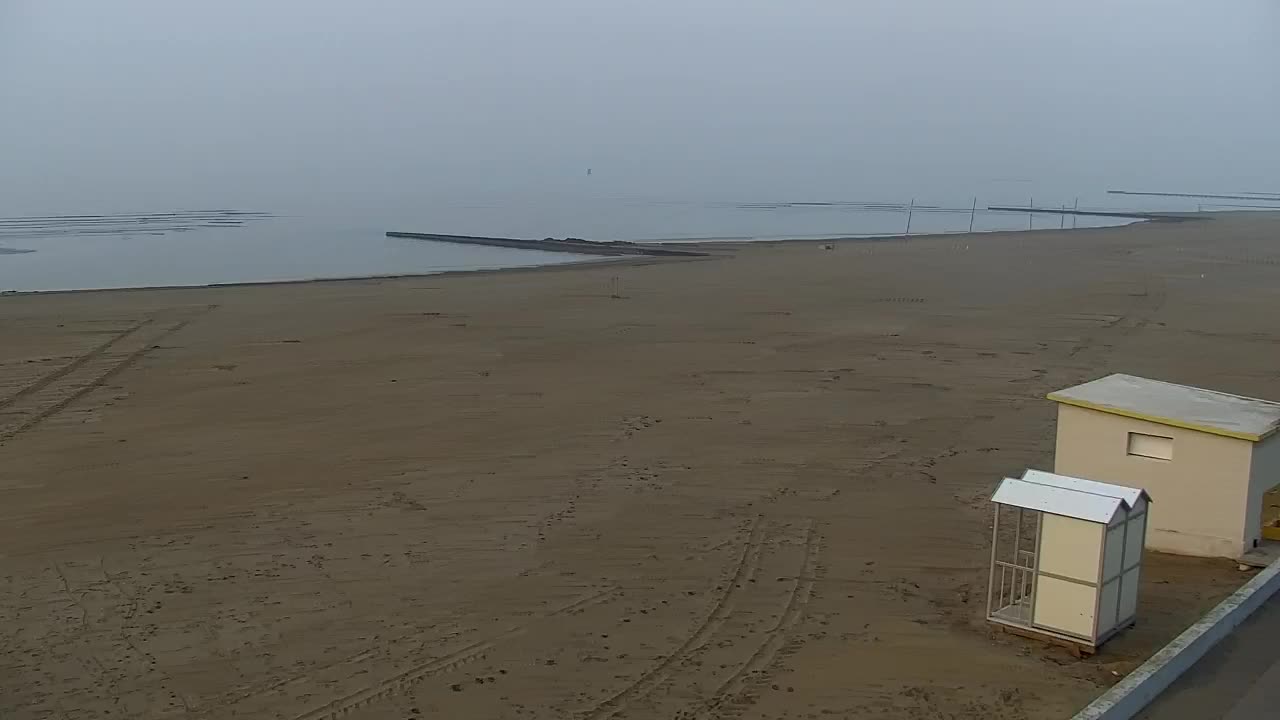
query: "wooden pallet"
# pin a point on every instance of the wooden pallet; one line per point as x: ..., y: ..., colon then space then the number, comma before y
x: 1079, y: 649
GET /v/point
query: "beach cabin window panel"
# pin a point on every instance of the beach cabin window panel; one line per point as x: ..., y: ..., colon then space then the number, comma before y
x: 1157, y: 447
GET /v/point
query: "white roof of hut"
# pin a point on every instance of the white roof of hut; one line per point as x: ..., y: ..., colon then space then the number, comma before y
x: 1067, y: 496
x: 1128, y: 494
x: 1183, y: 406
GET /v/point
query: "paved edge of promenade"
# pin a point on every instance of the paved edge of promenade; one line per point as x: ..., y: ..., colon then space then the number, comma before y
x: 1127, y: 697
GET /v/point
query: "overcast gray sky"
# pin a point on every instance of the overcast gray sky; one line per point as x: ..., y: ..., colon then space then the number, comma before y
x: 271, y: 104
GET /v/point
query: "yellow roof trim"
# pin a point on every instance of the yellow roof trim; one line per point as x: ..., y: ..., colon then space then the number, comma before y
x: 1251, y: 437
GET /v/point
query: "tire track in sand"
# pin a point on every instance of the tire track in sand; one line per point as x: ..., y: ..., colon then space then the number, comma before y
x: 41, y: 382
x: 747, y: 564
x: 775, y: 637
x: 54, y: 393
x: 417, y: 673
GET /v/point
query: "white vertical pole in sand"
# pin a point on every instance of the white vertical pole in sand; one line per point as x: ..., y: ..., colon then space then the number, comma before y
x: 973, y: 212
x: 1074, y: 216
x: 910, y: 211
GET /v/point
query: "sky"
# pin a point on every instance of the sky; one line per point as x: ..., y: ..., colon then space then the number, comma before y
x: 331, y: 106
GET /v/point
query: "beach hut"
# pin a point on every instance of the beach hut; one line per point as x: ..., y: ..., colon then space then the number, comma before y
x: 1066, y: 557
x: 1210, y: 458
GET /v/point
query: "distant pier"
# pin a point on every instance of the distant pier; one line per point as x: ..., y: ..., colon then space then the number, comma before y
x: 1162, y: 217
x: 1256, y: 197
x: 567, y: 245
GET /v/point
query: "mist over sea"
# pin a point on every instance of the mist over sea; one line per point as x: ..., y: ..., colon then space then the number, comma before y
x: 157, y: 143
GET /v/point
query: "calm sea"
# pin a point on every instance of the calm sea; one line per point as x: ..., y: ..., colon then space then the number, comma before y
x: 150, y: 142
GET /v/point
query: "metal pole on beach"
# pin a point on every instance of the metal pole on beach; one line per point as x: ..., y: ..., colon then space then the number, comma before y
x: 910, y: 211
x: 1031, y: 214
x: 973, y: 212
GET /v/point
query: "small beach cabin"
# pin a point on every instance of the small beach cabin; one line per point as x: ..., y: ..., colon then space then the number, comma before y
x: 1066, y: 557
x: 1209, y: 457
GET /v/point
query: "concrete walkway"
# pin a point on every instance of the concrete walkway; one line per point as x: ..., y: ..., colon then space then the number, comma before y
x: 1237, y: 680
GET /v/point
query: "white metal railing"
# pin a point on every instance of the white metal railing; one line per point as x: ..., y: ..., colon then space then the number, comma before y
x: 1015, y: 588
x: 1011, y: 592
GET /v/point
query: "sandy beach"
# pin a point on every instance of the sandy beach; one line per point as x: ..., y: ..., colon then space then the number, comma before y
x: 748, y: 486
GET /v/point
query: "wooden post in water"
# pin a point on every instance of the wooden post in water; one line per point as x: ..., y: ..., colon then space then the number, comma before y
x: 910, y: 211
x: 973, y: 212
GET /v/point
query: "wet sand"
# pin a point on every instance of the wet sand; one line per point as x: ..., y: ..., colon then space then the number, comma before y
x: 751, y: 486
